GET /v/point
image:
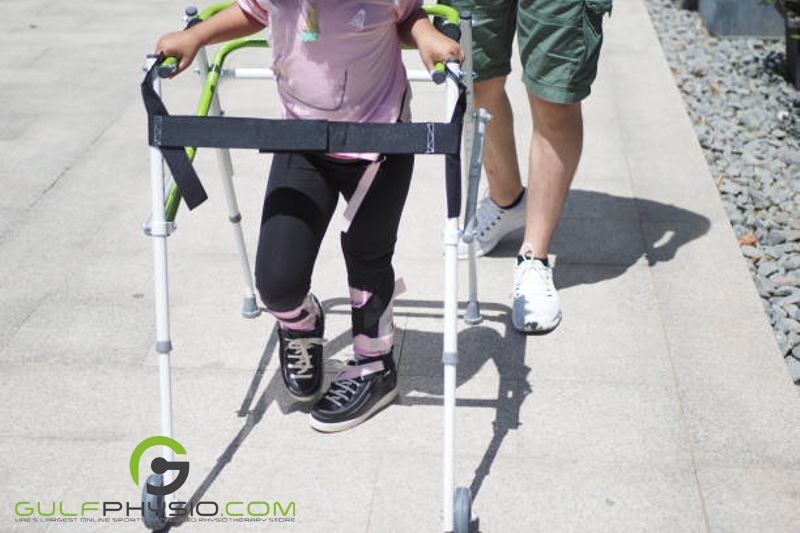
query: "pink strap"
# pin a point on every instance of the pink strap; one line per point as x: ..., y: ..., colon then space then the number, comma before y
x: 290, y: 320
x: 359, y: 371
x: 375, y: 346
x: 364, y: 183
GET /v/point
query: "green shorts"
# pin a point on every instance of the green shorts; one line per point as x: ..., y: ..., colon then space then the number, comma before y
x: 559, y: 42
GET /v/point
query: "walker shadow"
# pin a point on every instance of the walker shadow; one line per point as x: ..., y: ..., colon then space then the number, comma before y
x: 600, y: 236
x: 478, y: 345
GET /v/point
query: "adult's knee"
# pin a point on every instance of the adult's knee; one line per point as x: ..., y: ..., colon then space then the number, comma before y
x: 553, y: 116
x: 490, y: 93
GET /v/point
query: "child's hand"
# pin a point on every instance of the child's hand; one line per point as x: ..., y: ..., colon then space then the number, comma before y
x: 230, y: 23
x: 435, y: 46
x: 181, y: 45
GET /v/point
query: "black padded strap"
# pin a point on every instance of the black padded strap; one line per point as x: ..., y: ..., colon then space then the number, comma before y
x: 178, y: 161
x: 452, y: 161
x: 271, y: 135
x: 172, y: 133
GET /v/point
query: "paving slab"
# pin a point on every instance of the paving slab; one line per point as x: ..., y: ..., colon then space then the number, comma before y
x: 660, y: 404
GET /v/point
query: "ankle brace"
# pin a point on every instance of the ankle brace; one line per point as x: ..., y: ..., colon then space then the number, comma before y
x: 373, y: 319
x: 301, y: 318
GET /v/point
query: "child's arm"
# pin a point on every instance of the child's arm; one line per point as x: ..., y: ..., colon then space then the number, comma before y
x: 230, y: 23
x: 418, y: 32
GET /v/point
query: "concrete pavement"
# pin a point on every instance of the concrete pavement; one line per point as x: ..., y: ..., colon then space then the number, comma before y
x: 661, y: 403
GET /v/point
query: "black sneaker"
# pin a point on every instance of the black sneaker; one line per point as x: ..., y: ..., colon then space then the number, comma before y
x: 352, y: 397
x: 301, y: 359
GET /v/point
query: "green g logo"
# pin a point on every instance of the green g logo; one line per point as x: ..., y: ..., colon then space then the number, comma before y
x: 159, y: 465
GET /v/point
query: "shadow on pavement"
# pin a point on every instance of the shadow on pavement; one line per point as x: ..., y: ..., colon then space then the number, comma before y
x: 601, y: 235
x: 478, y: 345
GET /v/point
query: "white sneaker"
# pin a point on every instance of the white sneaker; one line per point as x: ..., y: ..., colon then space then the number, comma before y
x: 536, y: 305
x: 492, y: 223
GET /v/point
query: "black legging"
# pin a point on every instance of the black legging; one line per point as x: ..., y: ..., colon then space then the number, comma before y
x: 301, y: 197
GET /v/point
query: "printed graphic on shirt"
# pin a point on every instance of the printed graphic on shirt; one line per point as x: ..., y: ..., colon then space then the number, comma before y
x: 311, y: 29
x: 359, y: 19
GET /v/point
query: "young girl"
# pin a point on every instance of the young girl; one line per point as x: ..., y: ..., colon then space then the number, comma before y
x: 337, y: 60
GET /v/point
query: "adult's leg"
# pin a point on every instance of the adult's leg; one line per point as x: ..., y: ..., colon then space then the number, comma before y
x: 559, y: 43
x: 555, y: 150
x: 503, y: 210
x: 499, y: 151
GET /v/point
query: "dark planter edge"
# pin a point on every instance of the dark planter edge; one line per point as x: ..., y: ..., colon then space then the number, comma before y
x: 792, y: 20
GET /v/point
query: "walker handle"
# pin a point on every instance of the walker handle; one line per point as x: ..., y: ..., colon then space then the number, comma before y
x: 438, y: 74
x: 167, y: 67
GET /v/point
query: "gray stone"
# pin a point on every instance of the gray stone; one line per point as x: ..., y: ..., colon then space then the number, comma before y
x: 765, y: 287
x: 750, y: 251
x: 793, y: 339
x: 782, y: 340
x: 789, y: 262
x: 767, y: 267
x: 774, y: 237
x: 792, y: 298
x: 792, y: 235
x: 793, y: 362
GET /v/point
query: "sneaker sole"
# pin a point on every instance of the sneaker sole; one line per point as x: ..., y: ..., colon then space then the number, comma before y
x: 534, y: 328
x: 333, y: 427
x: 304, y: 399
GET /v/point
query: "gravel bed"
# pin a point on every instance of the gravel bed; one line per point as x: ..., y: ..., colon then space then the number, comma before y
x: 747, y: 118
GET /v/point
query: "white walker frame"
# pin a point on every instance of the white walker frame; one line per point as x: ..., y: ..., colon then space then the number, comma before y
x: 457, y: 515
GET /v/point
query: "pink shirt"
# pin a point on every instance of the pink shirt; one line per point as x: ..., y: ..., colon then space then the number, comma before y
x: 337, y: 60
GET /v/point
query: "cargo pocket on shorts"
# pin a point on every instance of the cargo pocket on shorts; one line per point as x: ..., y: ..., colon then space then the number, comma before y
x: 600, y: 7
x: 551, y: 47
x: 593, y: 40
x: 595, y: 9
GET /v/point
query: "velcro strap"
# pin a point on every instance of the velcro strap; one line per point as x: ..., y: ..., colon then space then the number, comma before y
x: 171, y: 134
x: 177, y: 160
x: 361, y: 369
x: 398, y: 138
x: 272, y: 135
x: 269, y: 135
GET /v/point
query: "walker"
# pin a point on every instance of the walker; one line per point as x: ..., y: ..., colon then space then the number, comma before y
x: 174, y: 140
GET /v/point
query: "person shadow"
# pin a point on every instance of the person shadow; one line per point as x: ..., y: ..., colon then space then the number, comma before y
x: 596, y: 229
x: 600, y: 236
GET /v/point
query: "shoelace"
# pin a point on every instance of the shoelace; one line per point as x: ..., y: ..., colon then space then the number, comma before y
x: 298, y: 349
x: 541, y: 284
x: 341, y: 391
x: 343, y: 388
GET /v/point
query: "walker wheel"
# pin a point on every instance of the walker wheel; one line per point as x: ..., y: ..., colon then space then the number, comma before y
x: 153, y: 514
x: 462, y: 510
